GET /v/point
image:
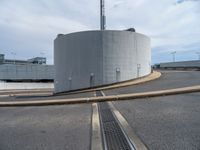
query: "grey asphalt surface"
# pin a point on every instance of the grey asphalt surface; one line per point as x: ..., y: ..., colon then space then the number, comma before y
x: 45, y: 128
x: 168, y: 80
x: 165, y: 123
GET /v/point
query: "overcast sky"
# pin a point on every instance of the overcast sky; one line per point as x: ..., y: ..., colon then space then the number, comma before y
x: 28, y: 27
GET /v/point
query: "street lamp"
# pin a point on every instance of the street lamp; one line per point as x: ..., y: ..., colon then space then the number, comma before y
x: 173, y: 56
x: 43, y: 61
x: 14, y: 54
x: 198, y: 53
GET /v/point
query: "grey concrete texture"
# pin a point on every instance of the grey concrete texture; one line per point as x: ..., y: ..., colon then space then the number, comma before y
x: 26, y: 72
x: 45, y: 128
x: 168, y: 80
x: 92, y: 58
x: 165, y: 123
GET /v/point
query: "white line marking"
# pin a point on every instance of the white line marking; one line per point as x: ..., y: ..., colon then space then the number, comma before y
x: 96, y: 143
x: 103, y: 93
x: 95, y: 95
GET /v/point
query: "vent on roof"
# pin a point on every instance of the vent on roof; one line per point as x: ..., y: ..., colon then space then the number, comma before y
x: 130, y: 29
x: 59, y: 35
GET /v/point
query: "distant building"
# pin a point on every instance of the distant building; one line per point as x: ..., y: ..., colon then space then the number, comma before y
x: 34, y: 69
x: 35, y: 60
x: 194, y: 64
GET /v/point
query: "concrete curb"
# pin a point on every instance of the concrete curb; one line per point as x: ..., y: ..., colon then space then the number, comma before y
x: 96, y: 139
x: 102, y: 99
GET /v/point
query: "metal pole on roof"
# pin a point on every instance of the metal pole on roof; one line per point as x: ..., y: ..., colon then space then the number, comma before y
x: 102, y: 15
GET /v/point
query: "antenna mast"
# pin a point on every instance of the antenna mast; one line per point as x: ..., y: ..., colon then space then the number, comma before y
x: 102, y: 15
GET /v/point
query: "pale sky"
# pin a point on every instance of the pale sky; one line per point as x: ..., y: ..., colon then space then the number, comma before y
x: 28, y: 27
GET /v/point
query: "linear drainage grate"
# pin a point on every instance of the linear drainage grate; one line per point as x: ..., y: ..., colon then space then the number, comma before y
x: 114, y: 137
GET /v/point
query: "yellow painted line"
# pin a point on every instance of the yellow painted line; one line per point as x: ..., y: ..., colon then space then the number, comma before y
x: 33, y: 94
x: 25, y: 92
x: 105, y: 98
x: 3, y: 96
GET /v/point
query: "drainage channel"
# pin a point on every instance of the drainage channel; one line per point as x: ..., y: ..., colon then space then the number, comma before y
x: 114, y: 138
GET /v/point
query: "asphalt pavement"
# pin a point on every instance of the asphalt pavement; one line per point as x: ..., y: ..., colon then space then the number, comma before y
x: 168, y: 80
x: 165, y: 123
x: 162, y: 123
x: 64, y: 127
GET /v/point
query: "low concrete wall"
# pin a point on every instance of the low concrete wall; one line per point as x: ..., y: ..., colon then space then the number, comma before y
x: 32, y: 72
x: 25, y: 86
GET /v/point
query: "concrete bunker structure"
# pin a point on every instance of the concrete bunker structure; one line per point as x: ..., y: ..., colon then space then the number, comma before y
x: 93, y: 58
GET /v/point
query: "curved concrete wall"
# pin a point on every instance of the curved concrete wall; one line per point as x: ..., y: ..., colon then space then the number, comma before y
x: 92, y: 58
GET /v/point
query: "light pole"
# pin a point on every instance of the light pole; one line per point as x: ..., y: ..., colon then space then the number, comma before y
x: 14, y: 54
x: 43, y: 57
x: 198, y: 53
x: 173, y: 56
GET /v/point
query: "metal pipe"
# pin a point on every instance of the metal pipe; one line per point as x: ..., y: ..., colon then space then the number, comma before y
x: 102, y: 15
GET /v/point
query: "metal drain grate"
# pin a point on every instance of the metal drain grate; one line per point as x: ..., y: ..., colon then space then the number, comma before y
x: 114, y: 136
